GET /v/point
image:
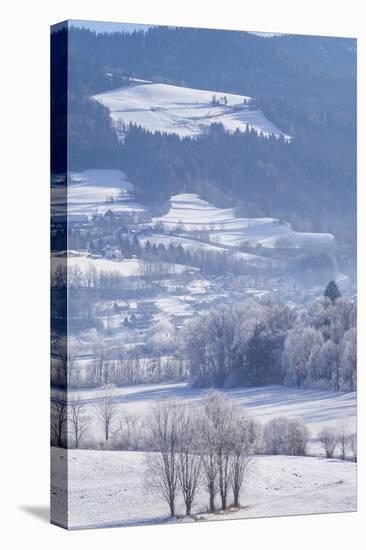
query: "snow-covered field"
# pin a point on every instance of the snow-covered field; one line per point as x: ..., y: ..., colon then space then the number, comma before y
x: 190, y: 212
x: 318, y: 409
x: 95, y: 192
x: 193, y: 245
x: 126, y: 268
x: 183, y: 111
x: 108, y: 488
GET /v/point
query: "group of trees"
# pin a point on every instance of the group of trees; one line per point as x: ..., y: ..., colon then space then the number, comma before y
x: 238, y: 344
x: 268, y: 342
x: 116, y: 365
x: 246, y: 344
x: 207, y: 449
x: 216, y: 101
x: 340, y: 439
x: 283, y: 436
x: 320, y: 351
x: 70, y: 420
x: 251, y: 343
x: 209, y: 262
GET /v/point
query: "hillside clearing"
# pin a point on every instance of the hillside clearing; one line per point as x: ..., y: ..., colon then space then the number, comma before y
x: 183, y: 111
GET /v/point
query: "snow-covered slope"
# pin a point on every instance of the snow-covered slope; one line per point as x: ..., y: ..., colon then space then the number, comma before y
x: 95, y: 191
x: 183, y: 111
x: 190, y: 212
x: 108, y: 488
x: 125, y: 268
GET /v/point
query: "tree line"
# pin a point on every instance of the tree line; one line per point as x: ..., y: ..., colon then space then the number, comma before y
x: 268, y: 342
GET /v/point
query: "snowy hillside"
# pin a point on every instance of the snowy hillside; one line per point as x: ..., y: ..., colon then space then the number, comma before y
x: 183, y: 111
x: 95, y: 192
x: 108, y: 488
x: 126, y: 267
x: 190, y: 212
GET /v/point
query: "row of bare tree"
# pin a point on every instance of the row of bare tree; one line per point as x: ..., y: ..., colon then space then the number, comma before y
x: 209, y: 447
x: 113, y: 366
x: 69, y: 421
x: 340, y: 441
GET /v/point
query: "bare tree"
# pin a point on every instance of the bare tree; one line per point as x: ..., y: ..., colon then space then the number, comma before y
x: 189, y: 459
x: 286, y: 436
x: 100, y: 362
x: 162, y: 471
x: 218, y: 427
x: 65, y: 356
x: 208, y: 457
x: 106, y: 411
x: 328, y: 438
x: 343, y: 436
x: 58, y: 421
x: 244, y: 442
x: 78, y: 420
x: 298, y: 437
x: 130, y: 432
x: 353, y: 446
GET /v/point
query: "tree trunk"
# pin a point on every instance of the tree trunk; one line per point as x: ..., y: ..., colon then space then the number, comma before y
x: 212, y: 502
x: 172, y: 508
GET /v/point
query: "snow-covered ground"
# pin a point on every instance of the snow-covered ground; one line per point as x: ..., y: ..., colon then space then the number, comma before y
x: 183, y: 111
x: 126, y: 267
x: 108, y: 488
x: 95, y: 192
x: 318, y: 409
x: 189, y: 212
x: 192, y: 245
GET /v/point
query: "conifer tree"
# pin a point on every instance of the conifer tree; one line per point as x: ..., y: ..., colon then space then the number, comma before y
x: 332, y: 291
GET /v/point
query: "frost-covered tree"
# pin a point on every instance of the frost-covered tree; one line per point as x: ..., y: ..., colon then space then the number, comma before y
x: 329, y: 363
x: 353, y: 446
x: 245, y: 435
x: 328, y: 439
x: 299, y: 344
x: 77, y: 419
x: 65, y: 352
x: 238, y: 344
x: 208, y: 456
x: 286, y: 436
x: 130, y: 433
x: 343, y: 437
x: 160, y: 336
x: 219, y: 419
x: 106, y: 412
x: 162, y: 470
x: 298, y: 438
x: 58, y: 422
x: 348, y: 352
x: 189, y: 457
x: 229, y: 440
